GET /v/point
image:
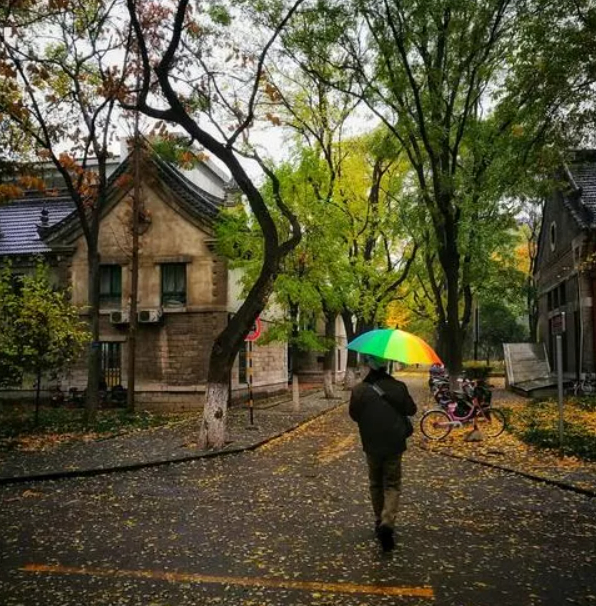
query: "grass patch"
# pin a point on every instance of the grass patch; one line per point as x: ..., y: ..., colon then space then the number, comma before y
x: 59, y: 425
x: 538, y: 424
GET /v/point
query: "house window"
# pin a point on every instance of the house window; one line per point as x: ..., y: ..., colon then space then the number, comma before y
x: 549, y: 299
x: 173, y: 284
x: 552, y: 235
x: 110, y: 286
x: 111, y: 364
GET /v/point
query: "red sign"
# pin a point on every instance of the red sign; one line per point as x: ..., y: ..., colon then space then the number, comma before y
x: 255, y: 332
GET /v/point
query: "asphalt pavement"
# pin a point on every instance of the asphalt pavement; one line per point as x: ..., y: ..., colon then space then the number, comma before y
x: 289, y: 523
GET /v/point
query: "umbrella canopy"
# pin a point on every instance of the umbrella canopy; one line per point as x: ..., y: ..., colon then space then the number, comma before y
x: 395, y: 345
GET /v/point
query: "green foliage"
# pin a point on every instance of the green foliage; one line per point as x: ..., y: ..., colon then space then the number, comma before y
x: 10, y: 370
x: 476, y: 369
x: 41, y: 331
x: 176, y: 150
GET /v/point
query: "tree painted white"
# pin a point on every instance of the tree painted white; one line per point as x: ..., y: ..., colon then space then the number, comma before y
x: 328, y: 384
x: 350, y: 379
x: 212, y: 433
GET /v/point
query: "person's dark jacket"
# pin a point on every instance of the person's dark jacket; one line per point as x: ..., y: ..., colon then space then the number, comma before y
x: 381, y: 418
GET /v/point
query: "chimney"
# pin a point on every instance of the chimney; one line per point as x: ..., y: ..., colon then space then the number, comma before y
x: 232, y: 193
x: 44, y: 222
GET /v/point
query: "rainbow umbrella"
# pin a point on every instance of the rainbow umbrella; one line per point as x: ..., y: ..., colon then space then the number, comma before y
x: 395, y: 345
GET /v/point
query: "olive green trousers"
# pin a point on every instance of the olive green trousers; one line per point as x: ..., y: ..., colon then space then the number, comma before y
x: 384, y: 476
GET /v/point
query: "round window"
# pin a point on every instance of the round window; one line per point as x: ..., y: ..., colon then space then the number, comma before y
x: 552, y: 233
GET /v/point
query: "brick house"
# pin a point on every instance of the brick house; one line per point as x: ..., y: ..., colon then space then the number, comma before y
x: 565, y: 272
x: 186, y: 291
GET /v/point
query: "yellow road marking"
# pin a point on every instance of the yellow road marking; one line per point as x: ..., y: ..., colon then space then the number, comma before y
x: 182, y: 577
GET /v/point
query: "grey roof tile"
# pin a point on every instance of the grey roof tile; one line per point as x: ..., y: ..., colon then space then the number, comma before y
x: 19, y: 220
x: 584, y: 175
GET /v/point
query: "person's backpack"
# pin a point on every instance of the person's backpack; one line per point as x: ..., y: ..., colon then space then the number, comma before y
x: 407, y: 421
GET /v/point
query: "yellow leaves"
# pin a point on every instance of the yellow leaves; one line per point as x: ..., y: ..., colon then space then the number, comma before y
x: 397, y: 316
x: 9, y: 191
x: 28, y: 494
x: 124, y: 181
x: 517, y: 130
x: 272, y: 92
x: 273, y: 119
x: 7, y: 70
x: 31, y: 182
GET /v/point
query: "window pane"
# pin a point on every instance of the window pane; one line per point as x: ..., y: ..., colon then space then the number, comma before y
x: 173, y: 284
x: 110, y: 285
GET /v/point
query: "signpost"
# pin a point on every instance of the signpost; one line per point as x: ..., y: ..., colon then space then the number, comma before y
x: 251, y: 337
x: 558, y: 327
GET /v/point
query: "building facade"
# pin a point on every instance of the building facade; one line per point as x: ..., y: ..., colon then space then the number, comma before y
x: 565, y: 273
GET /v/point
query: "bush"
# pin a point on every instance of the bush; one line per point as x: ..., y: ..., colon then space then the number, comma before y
x: 477, y: 370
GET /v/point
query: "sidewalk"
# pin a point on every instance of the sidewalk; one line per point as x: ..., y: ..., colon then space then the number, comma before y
x: 178, y: 443
x: 163, y: 445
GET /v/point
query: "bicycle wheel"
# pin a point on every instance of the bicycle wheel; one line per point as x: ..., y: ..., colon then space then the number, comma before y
x: 577, y: 388
x: 435, y: 424
x: 493, y: 424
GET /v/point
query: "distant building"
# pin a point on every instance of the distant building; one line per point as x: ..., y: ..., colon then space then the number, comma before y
x: 565, y: 272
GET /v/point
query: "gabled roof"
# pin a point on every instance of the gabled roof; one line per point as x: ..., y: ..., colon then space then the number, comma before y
x: 20, y: 218
x: 580, y: 199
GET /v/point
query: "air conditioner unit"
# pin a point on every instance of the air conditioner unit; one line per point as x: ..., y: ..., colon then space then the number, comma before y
x: 119, y: 317
x: 149, y: 316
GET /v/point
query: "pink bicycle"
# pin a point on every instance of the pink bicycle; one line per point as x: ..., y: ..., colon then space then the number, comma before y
x: 472, y: 408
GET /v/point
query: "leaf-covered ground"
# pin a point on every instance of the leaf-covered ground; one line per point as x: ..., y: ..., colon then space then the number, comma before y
x: 509, y: 449
x: 290, y: 525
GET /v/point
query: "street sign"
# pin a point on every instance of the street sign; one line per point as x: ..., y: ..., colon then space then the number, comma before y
x: 255, y: 332
x: 558, y: 324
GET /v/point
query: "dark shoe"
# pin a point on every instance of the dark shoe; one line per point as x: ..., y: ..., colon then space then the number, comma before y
x: 385, y: 535
x: 377, y: 526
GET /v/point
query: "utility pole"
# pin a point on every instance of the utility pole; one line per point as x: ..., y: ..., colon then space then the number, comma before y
x: 134, y: 267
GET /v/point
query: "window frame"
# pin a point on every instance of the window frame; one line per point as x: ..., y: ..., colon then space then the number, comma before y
x: 112, y: 299
x: 174, y: 298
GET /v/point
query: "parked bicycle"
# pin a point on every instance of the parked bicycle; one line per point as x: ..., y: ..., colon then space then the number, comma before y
x: 470, y: 406
x: 586, y: 386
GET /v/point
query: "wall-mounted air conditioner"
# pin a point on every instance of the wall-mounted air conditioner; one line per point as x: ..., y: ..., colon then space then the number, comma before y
x: 119, y: 317
x: 149, y: 316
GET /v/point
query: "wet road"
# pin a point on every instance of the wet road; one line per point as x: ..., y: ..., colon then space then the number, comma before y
x: 290, y: 524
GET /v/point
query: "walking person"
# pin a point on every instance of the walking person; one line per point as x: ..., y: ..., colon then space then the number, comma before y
x: 380, y: 405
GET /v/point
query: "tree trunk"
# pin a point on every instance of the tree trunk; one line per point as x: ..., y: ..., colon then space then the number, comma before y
x: 329, y: 359
x: 212, y: 433
x: 94, y: 351
x: 352, y: 359
x: 134, y: 276
x: 224, y: 351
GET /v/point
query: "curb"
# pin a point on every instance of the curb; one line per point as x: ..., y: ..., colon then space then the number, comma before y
x: 558, y: 483
x: 205, y: 454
